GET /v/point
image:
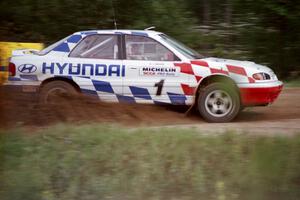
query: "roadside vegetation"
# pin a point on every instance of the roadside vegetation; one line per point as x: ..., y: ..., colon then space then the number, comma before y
x: 110, y: 162
x: 292, y: 83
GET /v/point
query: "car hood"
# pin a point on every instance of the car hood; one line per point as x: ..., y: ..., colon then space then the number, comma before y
x: 244, y: 64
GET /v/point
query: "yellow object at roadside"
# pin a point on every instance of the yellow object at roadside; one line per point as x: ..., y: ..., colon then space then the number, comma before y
x: 5, y: 53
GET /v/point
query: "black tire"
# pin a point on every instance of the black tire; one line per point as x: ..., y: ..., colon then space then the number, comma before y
x: 218, y: 102
x: 56, y: 91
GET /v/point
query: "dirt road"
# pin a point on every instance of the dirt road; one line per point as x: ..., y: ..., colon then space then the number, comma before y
x: 283, y: 117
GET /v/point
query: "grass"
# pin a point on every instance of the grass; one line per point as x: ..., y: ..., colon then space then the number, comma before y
x: 105, y: 162
x: 292, y: 83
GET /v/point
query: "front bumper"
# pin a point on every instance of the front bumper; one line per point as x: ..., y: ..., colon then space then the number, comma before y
x: 256, y: 94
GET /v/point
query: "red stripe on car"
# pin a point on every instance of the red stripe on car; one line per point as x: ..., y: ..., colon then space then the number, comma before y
x: 187, y: 89
x: 200, y: 62
x: 251, y: 80
x: 218, y: 71
x: 185, y: 68
x: 236, y: 70
x: 198, y: 78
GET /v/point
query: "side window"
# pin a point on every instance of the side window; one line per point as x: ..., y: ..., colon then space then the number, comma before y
x: 144, y: 48
x: 98, y: 47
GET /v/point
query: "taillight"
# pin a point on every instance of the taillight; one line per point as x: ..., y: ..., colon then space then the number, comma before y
x: 11, y: 69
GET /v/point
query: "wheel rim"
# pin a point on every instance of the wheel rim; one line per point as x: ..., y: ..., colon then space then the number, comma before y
x: 55, y: 94
x: 218, y: 103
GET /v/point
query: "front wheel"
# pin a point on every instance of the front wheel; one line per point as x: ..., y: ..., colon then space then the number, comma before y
x: 218, y: 102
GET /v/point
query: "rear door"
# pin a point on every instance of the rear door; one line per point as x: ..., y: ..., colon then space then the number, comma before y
x: 96, y: 66
x: 151, y: 76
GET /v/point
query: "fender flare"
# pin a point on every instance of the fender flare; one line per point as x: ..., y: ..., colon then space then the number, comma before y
x: 60, y: 78
x: 218, y: 77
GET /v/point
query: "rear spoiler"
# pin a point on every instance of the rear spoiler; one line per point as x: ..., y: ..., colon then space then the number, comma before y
x: 22, y: 52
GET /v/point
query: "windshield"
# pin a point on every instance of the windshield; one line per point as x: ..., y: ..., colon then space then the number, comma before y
x: 52, y: 46
x: 188, y: 52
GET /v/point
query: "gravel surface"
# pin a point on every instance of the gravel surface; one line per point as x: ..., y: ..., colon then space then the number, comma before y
x: 283, y: 117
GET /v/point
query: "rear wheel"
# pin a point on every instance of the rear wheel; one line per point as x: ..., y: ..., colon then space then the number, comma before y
x: 56, y: 91
x: 218, y: 102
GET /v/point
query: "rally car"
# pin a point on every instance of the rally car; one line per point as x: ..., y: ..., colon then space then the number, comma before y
x: 143, y: 66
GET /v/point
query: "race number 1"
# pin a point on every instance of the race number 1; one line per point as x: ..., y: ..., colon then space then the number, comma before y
x: 159, y: 86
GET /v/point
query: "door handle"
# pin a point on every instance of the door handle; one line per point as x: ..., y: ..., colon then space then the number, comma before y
x: 133, y: 67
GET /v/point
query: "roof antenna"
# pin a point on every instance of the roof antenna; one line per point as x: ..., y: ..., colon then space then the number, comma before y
x: 114, y: 14
x: 149, y: 28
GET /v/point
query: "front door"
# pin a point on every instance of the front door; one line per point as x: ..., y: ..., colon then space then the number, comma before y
x: 151, y: 76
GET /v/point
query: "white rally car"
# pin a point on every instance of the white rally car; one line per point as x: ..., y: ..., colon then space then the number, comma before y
x: 143, y: 67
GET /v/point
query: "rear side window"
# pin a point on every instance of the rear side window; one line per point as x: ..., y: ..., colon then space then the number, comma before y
x: 144, y: 48
x: 98, y: 47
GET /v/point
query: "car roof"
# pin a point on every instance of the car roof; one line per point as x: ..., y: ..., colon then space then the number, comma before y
x: 123, y: 31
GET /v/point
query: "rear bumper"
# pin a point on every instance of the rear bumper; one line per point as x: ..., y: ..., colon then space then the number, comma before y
x: 19, y: 92
x: 3, y: 76
x: 257, y: 94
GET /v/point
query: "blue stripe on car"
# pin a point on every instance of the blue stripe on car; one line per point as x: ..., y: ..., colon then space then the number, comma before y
x: 29, y: 77
x: 74, y: 38
x: 62, y: 76
x: 103, y: 86
x: 177, y: 99
x: 90, y: 92
x: 125, y: 99
x: 139, y: 33
x: 140, y: 92
x: 88, y: 32
x: 14, y: 79
x: 63, y: 47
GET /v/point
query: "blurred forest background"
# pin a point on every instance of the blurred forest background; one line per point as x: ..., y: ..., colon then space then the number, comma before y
x: 264, y: 31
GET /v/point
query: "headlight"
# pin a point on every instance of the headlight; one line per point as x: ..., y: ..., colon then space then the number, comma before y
x: 261, y: 76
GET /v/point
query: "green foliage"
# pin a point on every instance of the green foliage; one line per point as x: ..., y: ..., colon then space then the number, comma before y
x: 292, y: 83
x: 101, y: 162
x: 168, y: 16
x: 48, y: 21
